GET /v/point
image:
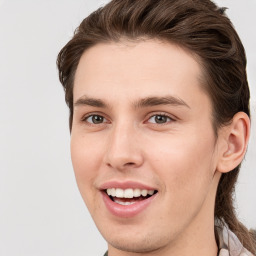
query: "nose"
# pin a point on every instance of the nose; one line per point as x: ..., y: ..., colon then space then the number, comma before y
x: 123, y: 149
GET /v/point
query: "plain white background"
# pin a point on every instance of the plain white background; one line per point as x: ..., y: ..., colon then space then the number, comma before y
x: 41, y: 211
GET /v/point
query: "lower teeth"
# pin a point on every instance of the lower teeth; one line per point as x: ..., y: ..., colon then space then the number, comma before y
x: 123, y: 203
x: 128, y: 201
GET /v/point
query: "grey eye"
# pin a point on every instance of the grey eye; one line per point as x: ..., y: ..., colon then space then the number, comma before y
x: 159, y: 119
x: 95, y: 119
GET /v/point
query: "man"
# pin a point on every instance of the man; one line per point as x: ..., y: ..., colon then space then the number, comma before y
x: 159, y: 120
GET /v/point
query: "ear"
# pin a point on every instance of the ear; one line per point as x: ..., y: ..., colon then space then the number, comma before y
x: 234, y: 137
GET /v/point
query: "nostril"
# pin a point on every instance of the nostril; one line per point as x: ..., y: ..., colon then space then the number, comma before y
x: 129, y: 164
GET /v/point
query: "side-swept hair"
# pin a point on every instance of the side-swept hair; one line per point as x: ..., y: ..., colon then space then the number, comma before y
x: 198, y: 26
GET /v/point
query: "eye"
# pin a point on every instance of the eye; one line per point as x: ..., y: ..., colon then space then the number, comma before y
x: 159, y: 119
x: 95, y: 119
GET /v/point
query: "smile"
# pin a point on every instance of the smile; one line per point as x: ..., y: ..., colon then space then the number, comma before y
x: 127, y: 202
x: 128, y: 196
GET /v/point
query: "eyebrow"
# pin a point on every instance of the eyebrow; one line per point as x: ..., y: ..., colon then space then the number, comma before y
x: 84, y: 100
x: 142, y: 103
x: 155, y: 101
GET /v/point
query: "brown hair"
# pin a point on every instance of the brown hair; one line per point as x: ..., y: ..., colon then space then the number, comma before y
x: 196, y: 25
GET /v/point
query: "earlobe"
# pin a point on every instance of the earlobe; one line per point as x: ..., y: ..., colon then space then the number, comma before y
x: 236, y: 137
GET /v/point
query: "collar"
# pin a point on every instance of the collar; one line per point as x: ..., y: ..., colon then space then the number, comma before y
x: 228, y: 242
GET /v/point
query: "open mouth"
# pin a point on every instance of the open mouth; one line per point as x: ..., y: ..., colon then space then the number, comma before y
x: 129, y: 196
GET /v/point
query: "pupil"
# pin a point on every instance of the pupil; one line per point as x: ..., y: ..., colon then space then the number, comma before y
x: 160, y: 119
x: 97, y: 119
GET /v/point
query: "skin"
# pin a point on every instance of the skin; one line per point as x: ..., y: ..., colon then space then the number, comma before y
x: 180, y: 157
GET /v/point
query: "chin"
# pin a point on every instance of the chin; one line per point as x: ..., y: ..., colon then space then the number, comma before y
x: 144, y: 245
x: 139, y: 241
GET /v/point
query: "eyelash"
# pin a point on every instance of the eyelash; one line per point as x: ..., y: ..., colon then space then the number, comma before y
x: 85, y: 119
x: 171, y: 119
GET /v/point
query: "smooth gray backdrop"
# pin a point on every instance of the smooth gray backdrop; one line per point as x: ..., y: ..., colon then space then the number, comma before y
x: 41, y: 211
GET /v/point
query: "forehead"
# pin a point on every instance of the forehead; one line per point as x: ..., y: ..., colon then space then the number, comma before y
x: 137, y: 69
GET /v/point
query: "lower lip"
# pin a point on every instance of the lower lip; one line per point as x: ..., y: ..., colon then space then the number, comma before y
x: 126, y: 211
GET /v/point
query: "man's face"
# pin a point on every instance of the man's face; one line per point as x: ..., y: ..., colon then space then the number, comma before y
x: 142, y: 131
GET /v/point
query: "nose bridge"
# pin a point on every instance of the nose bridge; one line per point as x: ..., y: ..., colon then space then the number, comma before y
x: 123, y: 148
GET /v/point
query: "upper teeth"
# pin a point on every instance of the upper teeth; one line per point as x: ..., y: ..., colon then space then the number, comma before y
x: 129, y: 192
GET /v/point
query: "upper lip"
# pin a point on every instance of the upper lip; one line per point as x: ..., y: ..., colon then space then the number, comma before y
x: 125, y: 185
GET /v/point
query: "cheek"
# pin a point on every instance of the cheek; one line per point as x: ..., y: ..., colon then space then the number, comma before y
x: 186, y: 172
x: 86, y: 160
x: 185, y: 163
